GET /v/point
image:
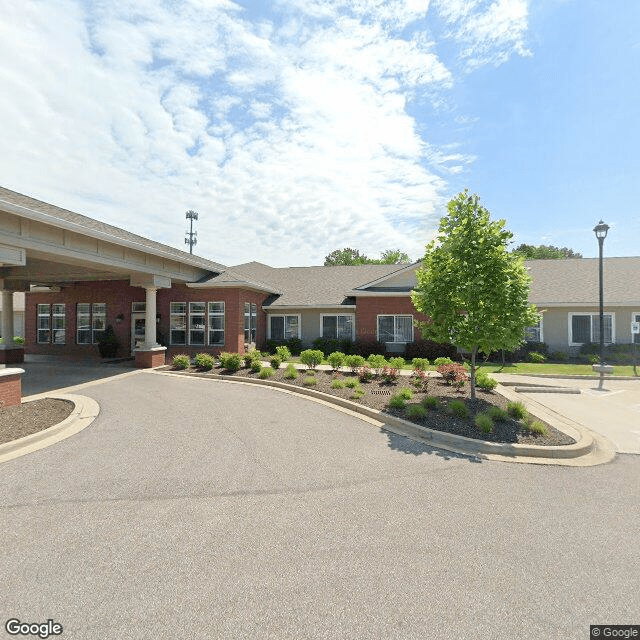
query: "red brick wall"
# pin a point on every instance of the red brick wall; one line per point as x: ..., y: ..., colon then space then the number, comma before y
x: 10, y: 390
x: 118, y: 296
x: 369, y: 307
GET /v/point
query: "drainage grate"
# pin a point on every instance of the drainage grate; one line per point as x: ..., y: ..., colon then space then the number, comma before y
x: 380, y: 392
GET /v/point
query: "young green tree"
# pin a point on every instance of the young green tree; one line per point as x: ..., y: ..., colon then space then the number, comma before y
x: 348, y: 256
x: 474, y: 291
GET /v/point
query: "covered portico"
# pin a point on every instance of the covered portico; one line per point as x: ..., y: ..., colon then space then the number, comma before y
x: 46, y: 249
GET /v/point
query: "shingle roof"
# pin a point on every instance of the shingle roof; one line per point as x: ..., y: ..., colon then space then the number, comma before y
x: 575, y: 281
x: 89, y: 224
x: 313, y: 286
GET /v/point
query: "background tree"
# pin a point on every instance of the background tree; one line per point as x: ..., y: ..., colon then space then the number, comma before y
x: 545, y: 252
x: 349, y: 256
x: 475, y: 292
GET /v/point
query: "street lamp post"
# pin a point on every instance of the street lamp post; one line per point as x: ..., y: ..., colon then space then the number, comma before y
x: 601, y: 233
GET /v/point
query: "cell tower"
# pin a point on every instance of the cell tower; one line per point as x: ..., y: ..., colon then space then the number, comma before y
x: 192, y: 236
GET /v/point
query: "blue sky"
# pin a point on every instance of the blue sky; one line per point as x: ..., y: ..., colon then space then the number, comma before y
x: 296, y: 127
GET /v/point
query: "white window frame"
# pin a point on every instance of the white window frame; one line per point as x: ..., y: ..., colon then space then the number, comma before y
x: 541, y: 328
x: 337, y: 315
x: 202, y: 313
x: 395, y: 317
x: 588, y: 313
x: 634, y: 315
x: 180, y: 315
x: 216, y: 314
x: 42, y: 314
x: 138, y: 307
x: 53, y: 329
x: 92, y: 318
x: 285, y: 315
x: 253, y: 322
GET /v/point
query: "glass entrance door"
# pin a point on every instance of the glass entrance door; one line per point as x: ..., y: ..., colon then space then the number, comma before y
x: 137, y: 330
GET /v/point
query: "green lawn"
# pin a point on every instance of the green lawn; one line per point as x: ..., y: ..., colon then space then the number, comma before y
x: 551, y: 368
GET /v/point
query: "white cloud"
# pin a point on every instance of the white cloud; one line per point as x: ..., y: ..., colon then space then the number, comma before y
x: 291, y: 134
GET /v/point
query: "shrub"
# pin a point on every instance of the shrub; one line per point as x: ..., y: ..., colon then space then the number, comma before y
x: 230, y: 361
x: 430, y: 349
x: 365, y: 374
x: 352, y: 383
x: 458, y: 408
x: 357, y: 393
x: 293, y: 344
x: 283, y: 352
x: 311, y: 357
x: 431, y: 402
x: 329, y: 345
x: 536, y: 357
x: 397, y: 363
x: 337, y: 384
x: 336, y: 359
x: 204, y: 361
x: 559, y: 356
x: 440, y: 361
x: 484, y: 422
x: 538, y: 427
x: 256, y: 365
x: 18, y: 340
x: 517, y: 410
x: 497, y: 414
x: 367, y: 347
x: 310, y: 381
x: 593, y: 358
x: 420, y: 364
x: 421, y: 380
x: 275, y: 362
x: 265, y: 372
x: 453, y: 373
x: 416, y: 411
x: 389, y: 374
x: 354, y: 362
x: 250, y: 356
x: 377, y: 362
x: 405, y: 393
x: 485, y: 381
x: 290, y: 373
x: 107, y: 343
x: 397, y: 402
x: 181, y: 361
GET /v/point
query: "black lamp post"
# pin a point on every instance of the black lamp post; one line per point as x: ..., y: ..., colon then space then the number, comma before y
x: 601, y: 233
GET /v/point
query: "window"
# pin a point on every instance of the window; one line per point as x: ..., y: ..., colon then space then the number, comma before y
x: 337, y: 327
x: 51, y: 323
x: 91, y: 322
x: 534, y: 333
x: 196, y: 322
x: 178, y: 323
x: 138, y: 307
x: 250, y: 322
x: 584, y: 327
x: 635, y: 317
x: 284, y: 327
x: 395, y: 328
x: 216, y: 323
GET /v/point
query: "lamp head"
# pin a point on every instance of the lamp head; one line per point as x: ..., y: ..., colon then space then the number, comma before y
x: 601, y: 230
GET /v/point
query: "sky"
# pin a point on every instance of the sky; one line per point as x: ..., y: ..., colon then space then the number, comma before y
x: 297, y: 127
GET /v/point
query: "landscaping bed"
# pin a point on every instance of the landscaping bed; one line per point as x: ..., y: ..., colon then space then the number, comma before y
x: 30, y: 417
x: 377, y: 394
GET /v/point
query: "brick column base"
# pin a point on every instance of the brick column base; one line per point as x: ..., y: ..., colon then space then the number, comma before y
x: 148, y: 359
x: 11, y: 355
x: 10, y: 387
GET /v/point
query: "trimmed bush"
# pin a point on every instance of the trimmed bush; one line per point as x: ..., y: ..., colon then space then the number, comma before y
x: 311, y: 357
x: 310, y: 382
x: 204, y: 361
x: 439, y: 361
x: 377, y: 361
x: 485, y: 381
x: 420, y: 364
x: 256, y: 365
x: 458, y: 409
x: 497, y: 414
x: 397, y: 402
x: 290, y: 373
x: 405, y: 393
x: 329, y: 345
x: 453, y: 373
x: 429, y: 349
x: 536, y: 357
x: 230, y: 361
x: 265, y: 372
x: 517, y: 410
x: 397, y: 363
x: 431, y: 402
x: 336, y: 359
x: 250, y: 356
x: 559, y: 356
x: 275, y: 362
x: 352, y: 383
x: 416, y: 411
x: 538, y: 427
x: 283, y: 352
x: 337, y: 384
x: 181, y: 361
x: 367, y: 347
x: 354, y: 362
x: 484, y: 422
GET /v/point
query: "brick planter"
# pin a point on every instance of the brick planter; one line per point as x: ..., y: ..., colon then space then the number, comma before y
x: 11, y: 355
x: 10, y: 387
x: 148, y: 359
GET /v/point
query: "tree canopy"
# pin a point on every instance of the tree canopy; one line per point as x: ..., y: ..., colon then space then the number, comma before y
x: 473, y: 290
x: 348, y: 256
x: 545, y: 252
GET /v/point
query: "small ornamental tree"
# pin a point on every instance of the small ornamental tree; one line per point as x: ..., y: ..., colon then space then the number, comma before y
x: 474, y: 291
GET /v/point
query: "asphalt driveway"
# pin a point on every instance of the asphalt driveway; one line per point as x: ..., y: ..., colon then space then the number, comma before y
x: 200, y: 509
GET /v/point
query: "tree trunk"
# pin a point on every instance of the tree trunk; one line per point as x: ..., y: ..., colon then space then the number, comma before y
x: 472, y: 381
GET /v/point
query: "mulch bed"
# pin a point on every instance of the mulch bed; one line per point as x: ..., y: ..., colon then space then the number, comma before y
x: 30, y: 417
x: 377, y: 396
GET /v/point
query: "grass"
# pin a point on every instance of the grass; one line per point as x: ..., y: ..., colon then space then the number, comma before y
x: 552, y: 368
x: 265, y: 372
x: 357, y: 393
x: 290, y: 372
x: 416, y: 411
x: 431, y: 402
x: 338, y: 384
x: 538, y: 427
x: 397, y: 402
x: 310, y: 382
x: 517, y: 410
x: 484, y: 422
x: 353, y: 383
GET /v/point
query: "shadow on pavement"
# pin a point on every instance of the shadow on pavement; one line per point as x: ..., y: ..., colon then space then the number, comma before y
x: 400, y: 443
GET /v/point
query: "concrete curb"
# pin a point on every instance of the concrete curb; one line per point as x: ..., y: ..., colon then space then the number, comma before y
x: 590, y: 449
x: 85, y: 411
x: 538, y: 388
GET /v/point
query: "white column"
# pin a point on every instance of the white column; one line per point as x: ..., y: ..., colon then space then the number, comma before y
x: 7, y: 317
x: 150, y: 319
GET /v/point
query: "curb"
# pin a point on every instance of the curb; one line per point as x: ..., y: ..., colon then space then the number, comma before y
x: 590, y: 448
x: 85, y: 411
